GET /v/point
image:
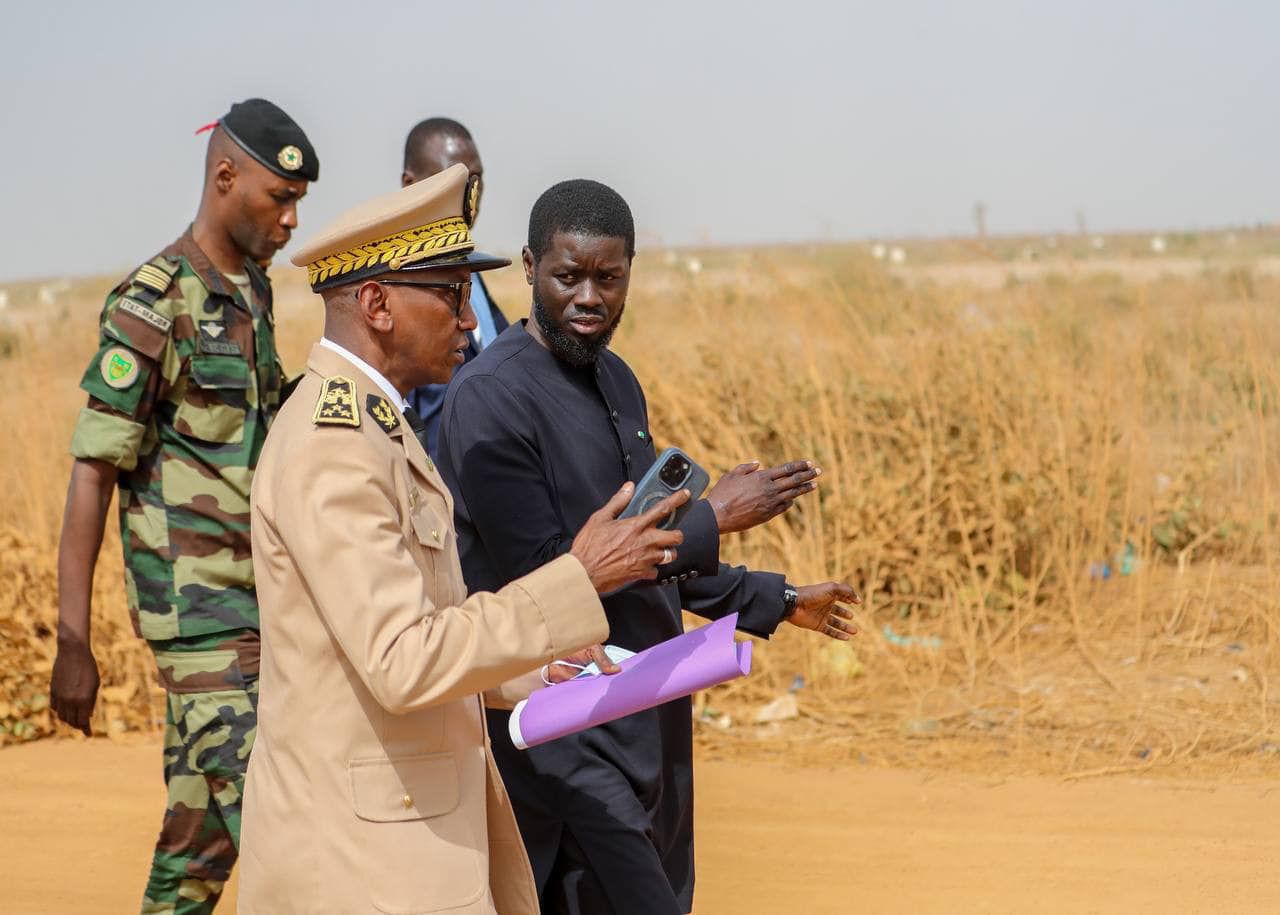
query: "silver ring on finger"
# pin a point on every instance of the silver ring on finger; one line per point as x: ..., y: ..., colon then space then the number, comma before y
x: 666, y: 556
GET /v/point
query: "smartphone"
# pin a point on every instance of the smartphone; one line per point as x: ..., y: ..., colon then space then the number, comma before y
x: 671, y: 472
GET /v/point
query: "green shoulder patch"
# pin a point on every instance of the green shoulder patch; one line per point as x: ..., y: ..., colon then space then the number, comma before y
x: 337, y: 403
x: 381, y: 411
x: 119, y: 367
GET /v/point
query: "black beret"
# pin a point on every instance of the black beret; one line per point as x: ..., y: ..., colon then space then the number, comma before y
x: 265, y: 132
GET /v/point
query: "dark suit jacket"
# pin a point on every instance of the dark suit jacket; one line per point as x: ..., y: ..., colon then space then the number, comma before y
x: 428, y: 400
x: 530, y: 447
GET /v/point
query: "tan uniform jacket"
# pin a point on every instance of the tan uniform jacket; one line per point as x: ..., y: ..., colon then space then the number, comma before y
x: 371, y: 787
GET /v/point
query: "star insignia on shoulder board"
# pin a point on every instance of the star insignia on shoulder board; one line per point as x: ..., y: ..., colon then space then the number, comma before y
x: 337, y: 403
x: 381, y: 412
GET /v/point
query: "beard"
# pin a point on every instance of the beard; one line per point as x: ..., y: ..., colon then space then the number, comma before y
x: 569, y: 347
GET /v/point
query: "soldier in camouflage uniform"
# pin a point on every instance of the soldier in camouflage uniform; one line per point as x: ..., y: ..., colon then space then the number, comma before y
x: 182, y: 389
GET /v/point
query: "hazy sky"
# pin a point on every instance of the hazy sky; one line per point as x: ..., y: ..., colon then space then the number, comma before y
x: 718, y: 121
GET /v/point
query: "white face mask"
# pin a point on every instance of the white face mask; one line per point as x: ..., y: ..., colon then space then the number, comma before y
x: 612, y: 652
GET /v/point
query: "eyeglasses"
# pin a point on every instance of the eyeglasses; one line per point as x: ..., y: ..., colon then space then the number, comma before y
x: 461, y: 292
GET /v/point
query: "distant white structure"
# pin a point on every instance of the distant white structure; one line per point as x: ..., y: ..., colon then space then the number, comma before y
x: 693, y: 265
x: 1098, y: 243
x: 1157, y: 244
x: 4, y: 299
x: 878, y: 251
x: 48, y: 294
x: 897, y: 255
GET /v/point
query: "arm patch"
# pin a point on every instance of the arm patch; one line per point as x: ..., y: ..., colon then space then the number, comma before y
x: 138, y: 310
x: 117, y: 377
x: 140, y: 319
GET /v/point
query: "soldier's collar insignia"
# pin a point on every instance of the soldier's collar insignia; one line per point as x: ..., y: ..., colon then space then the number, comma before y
x: 290, y: 158
x: 382, y: 414
x: 119, y: 367
x: 337, y: 403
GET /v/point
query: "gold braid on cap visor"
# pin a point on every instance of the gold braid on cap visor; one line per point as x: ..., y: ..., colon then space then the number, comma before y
x: 444, y: 236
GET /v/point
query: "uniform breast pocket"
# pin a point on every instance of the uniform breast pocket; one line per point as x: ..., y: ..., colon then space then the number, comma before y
x: 214, y: 406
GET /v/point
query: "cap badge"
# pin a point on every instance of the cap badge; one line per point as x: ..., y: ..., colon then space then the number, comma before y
x: 119, y: 367
x: 471, y: 200
x: 290, y: 158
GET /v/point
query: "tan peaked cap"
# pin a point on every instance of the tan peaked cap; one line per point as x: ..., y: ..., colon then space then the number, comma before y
x: 420, y: 227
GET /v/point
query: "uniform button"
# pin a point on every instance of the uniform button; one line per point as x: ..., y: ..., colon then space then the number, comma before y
x: 435, y: 535
x: 684, y: 576
x: 626, y: 459
x: 693, y: 574
x: 407, y: 801
x: 614, y: 416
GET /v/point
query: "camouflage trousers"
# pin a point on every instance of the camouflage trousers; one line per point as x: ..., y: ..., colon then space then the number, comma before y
x: 210, y: 723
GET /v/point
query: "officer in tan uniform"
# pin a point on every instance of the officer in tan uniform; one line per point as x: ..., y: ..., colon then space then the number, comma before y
x: 372, y: 787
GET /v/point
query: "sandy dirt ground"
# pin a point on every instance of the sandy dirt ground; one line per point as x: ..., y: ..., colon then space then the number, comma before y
x: 77, y: 819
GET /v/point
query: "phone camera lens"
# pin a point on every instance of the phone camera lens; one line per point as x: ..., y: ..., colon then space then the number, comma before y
x: 674, y: 472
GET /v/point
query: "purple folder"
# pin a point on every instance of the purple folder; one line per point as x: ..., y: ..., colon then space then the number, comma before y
x: 670, y: 670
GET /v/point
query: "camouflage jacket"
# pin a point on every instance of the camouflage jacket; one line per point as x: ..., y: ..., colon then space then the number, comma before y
x: 181, y: 390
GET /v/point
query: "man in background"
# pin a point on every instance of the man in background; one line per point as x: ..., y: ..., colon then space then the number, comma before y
x: 432, y: 146
x: 182, y: 389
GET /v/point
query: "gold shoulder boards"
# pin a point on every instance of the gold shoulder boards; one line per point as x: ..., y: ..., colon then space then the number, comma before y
x: 337, y: 403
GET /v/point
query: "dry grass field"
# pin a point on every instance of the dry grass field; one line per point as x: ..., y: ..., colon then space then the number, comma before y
x: 1056, y: 489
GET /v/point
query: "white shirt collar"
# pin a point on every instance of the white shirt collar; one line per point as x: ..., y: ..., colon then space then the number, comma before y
x: 374, y: 375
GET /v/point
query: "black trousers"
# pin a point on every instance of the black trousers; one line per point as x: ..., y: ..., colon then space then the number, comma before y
x: 591, y: 839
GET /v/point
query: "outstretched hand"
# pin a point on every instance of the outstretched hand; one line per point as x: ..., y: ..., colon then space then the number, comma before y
x: 617, y: 552
x: 749, y: 495
x: 817, y: 608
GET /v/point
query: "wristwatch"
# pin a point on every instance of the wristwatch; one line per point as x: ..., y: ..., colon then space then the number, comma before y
x: 790, y: 596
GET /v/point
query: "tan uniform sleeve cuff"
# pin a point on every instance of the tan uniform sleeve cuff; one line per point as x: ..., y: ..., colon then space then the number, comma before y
x: 571, y: 611
x: 105, y: 437
x: 569, y: 606
x: 508, y: 694
x: 573, y: 616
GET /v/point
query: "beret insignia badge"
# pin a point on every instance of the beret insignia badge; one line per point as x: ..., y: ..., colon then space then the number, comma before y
x: 336, y: 406
x: 471, y: 200
x: 381, y: 412
x: 290, y: 158
x: 119, y: 367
